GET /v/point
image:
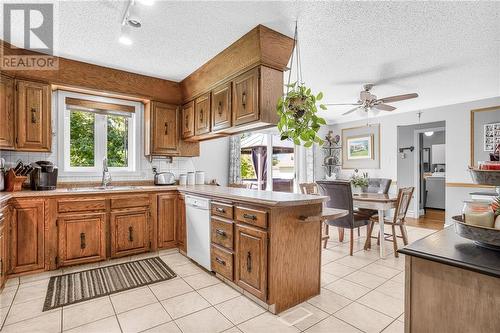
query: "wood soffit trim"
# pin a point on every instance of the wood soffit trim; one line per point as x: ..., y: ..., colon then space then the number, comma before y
x: 101, y: 106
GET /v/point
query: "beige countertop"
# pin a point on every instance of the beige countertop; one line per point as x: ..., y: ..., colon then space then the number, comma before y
x: 221, y: 192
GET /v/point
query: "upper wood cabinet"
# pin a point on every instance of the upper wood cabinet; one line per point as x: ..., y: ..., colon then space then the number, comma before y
x: 129, y: 232
x: 82, y: 238
x: 221, y: 107
x: 26, y: 239
x: 246, y: 97
x: 33, y: 116
x: 187, y: 120
x: 7, y: 125
x: 167, y: 215
x: 202, y: 114
x: 251, y: 260
x: 161, y: 129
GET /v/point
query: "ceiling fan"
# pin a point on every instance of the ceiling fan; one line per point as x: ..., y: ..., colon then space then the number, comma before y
x: 368, y: 101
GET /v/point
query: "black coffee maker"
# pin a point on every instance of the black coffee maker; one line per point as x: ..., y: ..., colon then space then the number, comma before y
x: 44, y: 176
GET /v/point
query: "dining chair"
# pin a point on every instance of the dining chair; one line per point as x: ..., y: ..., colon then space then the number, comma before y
x: 398, y: 219
x: 340, y: 194
x: 312, y: 189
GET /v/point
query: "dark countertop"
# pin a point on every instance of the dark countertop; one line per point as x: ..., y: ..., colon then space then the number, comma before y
x: 447, y: 247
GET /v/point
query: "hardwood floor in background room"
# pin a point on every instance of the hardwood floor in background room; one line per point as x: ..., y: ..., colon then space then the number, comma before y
x: 433, y: 219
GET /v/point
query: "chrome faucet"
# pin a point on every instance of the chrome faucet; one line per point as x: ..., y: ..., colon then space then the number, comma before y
x: 106, y: 176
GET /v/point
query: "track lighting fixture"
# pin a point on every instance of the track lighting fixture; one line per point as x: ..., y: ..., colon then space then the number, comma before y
x: 131, y: 19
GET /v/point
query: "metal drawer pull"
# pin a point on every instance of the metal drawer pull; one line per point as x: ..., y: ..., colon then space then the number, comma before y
x: 250, y: 216
x: 220, y: 232
x: 166, y: 128
x: 130, y: 234
x: 33, y: 115
x: 201, y: 116
x: 220, y: 108
x: 244, y: 100
x: 220, y: 261
x: 220, y: 210
x: 82, y: 241
x: 249, y: 262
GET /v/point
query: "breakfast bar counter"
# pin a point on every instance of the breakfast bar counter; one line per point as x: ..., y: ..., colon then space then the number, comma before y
x: 451, y: 285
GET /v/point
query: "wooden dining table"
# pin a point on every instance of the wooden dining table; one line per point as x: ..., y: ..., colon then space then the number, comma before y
x: 381, y: 203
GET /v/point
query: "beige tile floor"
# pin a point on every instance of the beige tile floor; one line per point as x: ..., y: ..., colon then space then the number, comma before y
x: 362, y: 293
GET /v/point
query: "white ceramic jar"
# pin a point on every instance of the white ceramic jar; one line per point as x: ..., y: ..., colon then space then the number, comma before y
x: 183, y: 179
x: 191, y: 178
x: 200, y: 177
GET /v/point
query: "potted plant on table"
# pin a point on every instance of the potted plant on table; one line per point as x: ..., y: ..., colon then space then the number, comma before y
x: 359, y: 181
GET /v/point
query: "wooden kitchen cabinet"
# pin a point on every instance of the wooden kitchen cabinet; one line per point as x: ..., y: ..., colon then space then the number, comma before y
x: 221, y: 107
x: 129, y: 232
x: 181, y: 224
x: 202, y: 114
x: 167, y: 215
x: 161, y: 130
x: 187, y: 120
x: 26, y: 238
x: 4, y: 227
x: 33, y: 112
x: 251, y: 260
x: 82, y: 238
x: 246, y: 97
x: 7, y: 125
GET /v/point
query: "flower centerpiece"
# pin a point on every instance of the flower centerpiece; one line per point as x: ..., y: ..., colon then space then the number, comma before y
x: 359, y: 181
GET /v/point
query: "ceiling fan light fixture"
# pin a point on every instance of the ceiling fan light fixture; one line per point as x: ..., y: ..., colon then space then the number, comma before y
x: 429, y: 133
x: 125, y: 37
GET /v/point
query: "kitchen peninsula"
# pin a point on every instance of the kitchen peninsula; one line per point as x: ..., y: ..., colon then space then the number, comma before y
x: 261, y: 242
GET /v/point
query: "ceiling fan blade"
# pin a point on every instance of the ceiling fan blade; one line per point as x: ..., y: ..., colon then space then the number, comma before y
x: 342, y: 103
x: 384, y: 107
x: 397, y: 98
x: 350, y: 111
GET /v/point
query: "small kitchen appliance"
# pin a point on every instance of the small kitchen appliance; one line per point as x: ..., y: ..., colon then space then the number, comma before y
x: 44, y: 176
x: 164, y: 178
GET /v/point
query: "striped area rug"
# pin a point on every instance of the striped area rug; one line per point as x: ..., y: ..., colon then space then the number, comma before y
x: 81, y: 286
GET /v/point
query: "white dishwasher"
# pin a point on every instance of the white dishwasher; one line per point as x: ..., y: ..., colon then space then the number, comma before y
x: 198, y: 230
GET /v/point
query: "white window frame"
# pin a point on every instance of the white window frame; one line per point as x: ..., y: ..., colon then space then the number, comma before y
x: 100, y: 132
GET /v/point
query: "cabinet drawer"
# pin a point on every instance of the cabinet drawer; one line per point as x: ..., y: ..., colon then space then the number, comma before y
x: 81, y: 205
x: 223, y: 210
x: 222, y: 233
x: 222, y: 262
x: 251, y: 216
x: 130, y: 202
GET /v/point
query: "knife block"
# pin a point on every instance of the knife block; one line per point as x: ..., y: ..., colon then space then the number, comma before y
x: 14, y: 183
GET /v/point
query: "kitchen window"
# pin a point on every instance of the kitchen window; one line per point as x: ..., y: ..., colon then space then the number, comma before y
x: 94, y: 128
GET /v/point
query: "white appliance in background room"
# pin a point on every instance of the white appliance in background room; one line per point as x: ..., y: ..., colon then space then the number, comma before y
x: 198, y: 230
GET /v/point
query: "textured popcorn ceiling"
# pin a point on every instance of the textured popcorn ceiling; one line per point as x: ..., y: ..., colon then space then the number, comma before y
x: 343, y: 44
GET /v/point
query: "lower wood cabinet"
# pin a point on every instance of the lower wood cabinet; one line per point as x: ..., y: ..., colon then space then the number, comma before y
x: 4, y: 226
x: 251, y: 260
x: 26, y: 239
x: 129, y: 232
x: 221, y: 261
x: 82, y: 238
x: 167, y: 213
x: 181, y: 224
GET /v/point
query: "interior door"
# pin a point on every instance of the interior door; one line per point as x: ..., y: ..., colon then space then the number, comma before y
x: 164, y: 128
x: 81, y: 238
x: 251, y: 260
x: 130, y: 232
x: 7, y: 125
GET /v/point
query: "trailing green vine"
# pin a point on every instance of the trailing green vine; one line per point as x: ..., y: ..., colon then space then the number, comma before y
x: 298, y: 120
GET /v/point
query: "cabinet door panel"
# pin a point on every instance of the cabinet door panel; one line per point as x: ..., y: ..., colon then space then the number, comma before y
x: 167, y: 212
x: 33, y: 116
x: 130, y: 232
x: 81, y: 238
x: 221, y: 107
x: 27, y: 236
x: 246, y: 97
x: 187, y: 120
x: 181, y: 224
x: 164, y: 128
x: 202, y: 114
x: 251, y: 260
x: 7, y: 125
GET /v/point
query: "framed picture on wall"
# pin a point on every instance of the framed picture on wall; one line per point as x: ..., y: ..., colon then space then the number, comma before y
x: 360, y: 147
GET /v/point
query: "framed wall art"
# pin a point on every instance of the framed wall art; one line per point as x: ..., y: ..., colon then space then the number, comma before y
x: 361, y: 147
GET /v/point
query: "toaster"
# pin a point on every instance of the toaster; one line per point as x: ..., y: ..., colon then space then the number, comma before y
x: 164, y: 178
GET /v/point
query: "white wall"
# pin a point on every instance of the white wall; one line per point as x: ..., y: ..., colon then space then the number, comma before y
x: 457, y: 119
x: 214, y: 160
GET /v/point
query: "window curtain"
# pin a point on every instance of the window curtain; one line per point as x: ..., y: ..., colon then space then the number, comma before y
x: 259, y: 161
x: 234, y: 160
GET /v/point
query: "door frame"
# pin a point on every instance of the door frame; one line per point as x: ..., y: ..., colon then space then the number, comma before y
x: 417, y: 212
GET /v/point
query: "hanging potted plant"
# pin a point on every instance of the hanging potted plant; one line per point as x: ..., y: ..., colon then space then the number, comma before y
x: 298, y: 109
